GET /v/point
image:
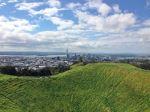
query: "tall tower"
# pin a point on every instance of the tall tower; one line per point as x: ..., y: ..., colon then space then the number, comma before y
x: 67, y: 53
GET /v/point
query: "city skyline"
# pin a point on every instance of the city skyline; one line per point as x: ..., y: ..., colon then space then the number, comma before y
x: 96, y: 26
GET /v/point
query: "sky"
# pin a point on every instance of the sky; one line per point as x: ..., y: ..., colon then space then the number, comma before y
x: 96, y: 26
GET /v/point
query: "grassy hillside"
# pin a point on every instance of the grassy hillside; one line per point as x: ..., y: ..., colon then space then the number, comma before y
x: 104, y: 87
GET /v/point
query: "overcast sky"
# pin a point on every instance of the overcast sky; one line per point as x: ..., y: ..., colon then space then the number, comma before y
x: 100, y: 26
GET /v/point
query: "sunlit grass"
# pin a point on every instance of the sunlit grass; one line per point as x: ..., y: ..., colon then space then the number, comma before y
x: 102, y: 87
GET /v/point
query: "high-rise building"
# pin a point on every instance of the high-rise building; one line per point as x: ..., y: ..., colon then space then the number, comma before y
x: 67, y: 53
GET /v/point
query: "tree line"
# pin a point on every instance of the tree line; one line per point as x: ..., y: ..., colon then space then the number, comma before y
x: 47, y: 71
x: 141, y: 63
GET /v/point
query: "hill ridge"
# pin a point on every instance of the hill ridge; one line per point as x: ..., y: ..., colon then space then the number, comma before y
x: 104, y: 87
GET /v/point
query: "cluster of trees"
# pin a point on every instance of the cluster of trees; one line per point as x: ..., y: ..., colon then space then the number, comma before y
x: 47, y: 71
x: 144, y: 64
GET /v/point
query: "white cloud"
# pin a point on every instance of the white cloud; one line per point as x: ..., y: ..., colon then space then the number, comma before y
x: 94, y: 3
x: 54, y: 3
x: 117, y: 42
x: 116, y: 8
x: 48, y: 11
x: 106, y: 24
x: 15, y: 24
x: 28, y: 6
x: 101, y: 7
x: 12, y: 1
x: 109, y: 29
x: 120, y: 21
x: 108, y: 17
x: 104, y: 9
x: 62, y: 24
x: 147, y: 3
x: 146, y: 22
x: 2, y: 4
x: 14, y: 29
x: 73, y: 5
x: 78, y: 41
x: 54, y: 7
x: 144, y: 34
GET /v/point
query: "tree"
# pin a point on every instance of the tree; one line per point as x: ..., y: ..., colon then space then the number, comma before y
x: 10, y: 70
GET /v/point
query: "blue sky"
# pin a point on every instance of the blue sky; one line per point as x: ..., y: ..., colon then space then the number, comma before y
x: 99, y: 26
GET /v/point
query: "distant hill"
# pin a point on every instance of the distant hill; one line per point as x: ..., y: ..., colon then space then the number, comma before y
x: 102, y: 87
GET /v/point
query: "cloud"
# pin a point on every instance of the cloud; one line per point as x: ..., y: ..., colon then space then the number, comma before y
x: 104, y: 9
x: 60, y: 40
x: 54, y: 3
x: 73, y: 5
x: 12, y: 1
x: 15, y: 24
x: 2, y: 4
x: 107, y: 18
x: 101, y: 7
x: 121, y: 21
x: 147, y: 3
x: 48, y: 12
x: 146, y: 22
x: 15, y: 30
x: 111, y: 42
x: 61, y: 23
x: 108, y: 29
x: 116, y: 8
x: 29, y: 7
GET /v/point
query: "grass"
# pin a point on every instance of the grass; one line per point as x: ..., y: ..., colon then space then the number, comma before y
x: 101, y: 87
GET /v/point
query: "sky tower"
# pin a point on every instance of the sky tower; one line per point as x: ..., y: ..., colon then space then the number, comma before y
x: 67, y: 53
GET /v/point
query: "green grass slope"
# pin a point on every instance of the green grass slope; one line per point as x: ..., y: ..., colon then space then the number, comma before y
x: 103, y: 87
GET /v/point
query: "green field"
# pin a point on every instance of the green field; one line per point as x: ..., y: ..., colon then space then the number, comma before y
x: 103, y: 87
